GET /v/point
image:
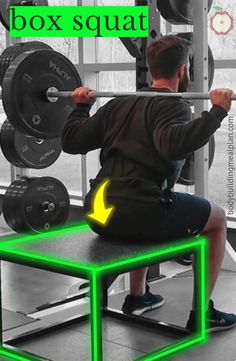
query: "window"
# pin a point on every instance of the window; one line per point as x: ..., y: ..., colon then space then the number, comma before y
x: 2, y: 47
x: 226, y: 78
x: 111, y: 50
x: 2, y: 38
x: 115, y: 2
x: 67, y: 169
x: 117, y: 81
x: 66, y: 46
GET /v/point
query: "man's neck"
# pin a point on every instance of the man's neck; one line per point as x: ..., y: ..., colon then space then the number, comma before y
x: 171, y: 84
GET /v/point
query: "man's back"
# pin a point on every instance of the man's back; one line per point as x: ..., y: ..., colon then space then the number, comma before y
x: 140, y: 137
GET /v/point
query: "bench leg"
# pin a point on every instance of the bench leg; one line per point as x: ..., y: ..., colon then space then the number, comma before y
x: 1, y: 322
x: 96, y: 317
x: 106, y: 283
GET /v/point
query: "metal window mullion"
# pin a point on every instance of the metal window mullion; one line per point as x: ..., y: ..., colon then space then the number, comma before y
x: 94, y: 67
x: 201, y: 85
x: 1, y: 320
x: 8, y: 39
x: 84, y: 170
x: 83, y: 159
x: 168, y: 27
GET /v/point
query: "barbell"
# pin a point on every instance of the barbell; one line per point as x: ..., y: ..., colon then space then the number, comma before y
x: 36, y: 93
x: 37, y: 88
x: 53, y: 94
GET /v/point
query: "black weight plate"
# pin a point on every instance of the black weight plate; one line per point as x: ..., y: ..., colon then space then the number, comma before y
x: 7, y: 144
x: 11, y: 52
x: 37, y: 153
x: 9, y: 206
x: 6, y: 58
x: 187, y: 174
x: 5, y: 5
x: 25, y: 85
x: 178, y: 12
x: 4, y: 13
x: 25, y: 205
x: 28, y: 152
x: 189, y: 37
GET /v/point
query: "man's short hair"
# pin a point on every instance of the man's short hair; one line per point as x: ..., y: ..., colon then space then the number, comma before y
x: 165, y: 55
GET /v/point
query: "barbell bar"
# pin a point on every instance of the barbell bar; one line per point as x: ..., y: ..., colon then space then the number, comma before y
x: 188, y: 96
x: 55, y: 94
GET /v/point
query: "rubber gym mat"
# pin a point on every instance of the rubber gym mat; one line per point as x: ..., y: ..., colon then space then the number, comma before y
x: 12, y: 319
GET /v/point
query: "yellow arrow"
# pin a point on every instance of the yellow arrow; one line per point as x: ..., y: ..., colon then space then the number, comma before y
x: 100, y: 213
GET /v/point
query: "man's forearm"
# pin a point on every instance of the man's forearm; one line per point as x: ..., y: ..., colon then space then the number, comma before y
x: 74, y: 129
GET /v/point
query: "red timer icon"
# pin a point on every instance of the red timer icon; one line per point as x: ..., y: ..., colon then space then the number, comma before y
x: 222, y: 22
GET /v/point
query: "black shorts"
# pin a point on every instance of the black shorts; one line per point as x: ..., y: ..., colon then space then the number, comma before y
x: 155, y: 221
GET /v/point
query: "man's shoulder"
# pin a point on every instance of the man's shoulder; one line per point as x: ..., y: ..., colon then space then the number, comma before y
x: 177, y: 105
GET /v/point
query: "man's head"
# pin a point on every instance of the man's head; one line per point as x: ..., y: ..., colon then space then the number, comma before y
x: 167, y: 58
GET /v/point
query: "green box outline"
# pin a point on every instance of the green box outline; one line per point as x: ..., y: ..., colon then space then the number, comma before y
x: 95, y: 272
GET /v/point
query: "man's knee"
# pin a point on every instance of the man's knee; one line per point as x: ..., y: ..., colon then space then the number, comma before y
x: 217, y: 219
x: 222, y: 217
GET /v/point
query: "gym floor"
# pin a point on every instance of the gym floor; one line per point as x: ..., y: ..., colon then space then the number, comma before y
x: 24, y: 291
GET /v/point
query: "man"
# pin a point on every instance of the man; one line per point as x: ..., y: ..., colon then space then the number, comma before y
x: 144, y: 142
